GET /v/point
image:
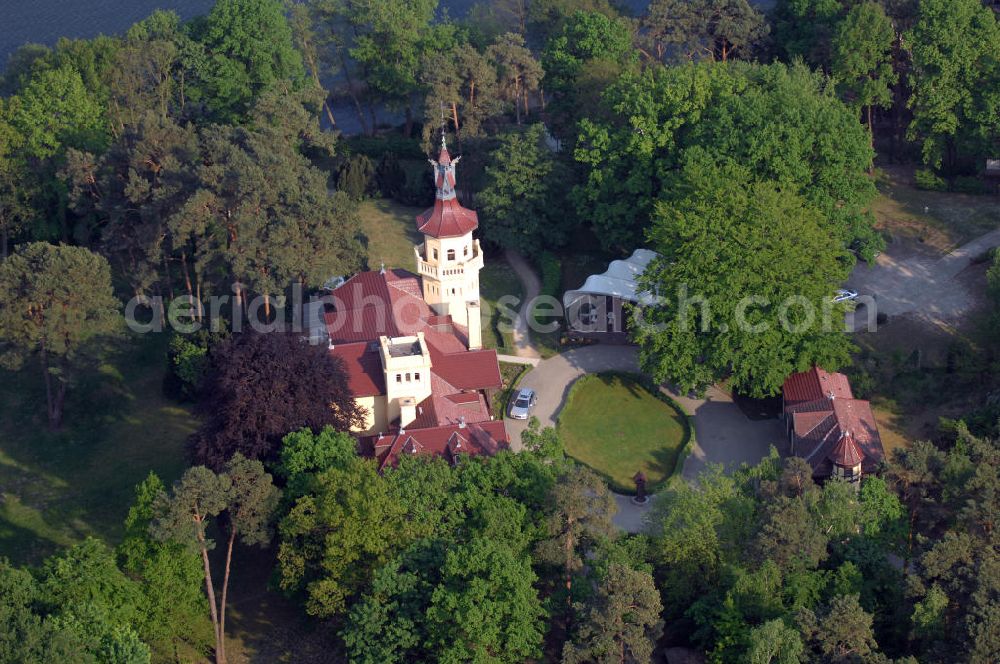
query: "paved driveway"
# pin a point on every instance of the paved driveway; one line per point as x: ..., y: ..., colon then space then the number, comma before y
x: 723, y: 433
x: 922, y: 285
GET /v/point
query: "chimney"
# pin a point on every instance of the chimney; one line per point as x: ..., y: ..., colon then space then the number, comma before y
x: 407, y: 411
x: 475, y: 324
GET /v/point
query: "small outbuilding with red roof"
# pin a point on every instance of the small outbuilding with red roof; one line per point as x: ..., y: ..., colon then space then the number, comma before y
x: 836, y: 433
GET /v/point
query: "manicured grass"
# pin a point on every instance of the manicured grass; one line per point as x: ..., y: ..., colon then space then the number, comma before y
x: 392, y: 233
x: 58, y: 487
x: 616, y: 426
x: 496, y: 281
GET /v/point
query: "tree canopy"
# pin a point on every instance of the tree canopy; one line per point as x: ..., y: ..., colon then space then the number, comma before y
x: 745, y: 276
x: 261, y: 387
x: 57, y: 307
x: 782, y: 124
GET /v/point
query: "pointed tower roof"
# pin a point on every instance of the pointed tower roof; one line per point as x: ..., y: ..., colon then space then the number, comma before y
x: 447, y: 218
x: 846, y: 452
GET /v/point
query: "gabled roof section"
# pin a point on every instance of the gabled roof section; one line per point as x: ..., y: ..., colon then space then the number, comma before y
x: 814, y: 385
x: 363, y: 366
x: 483, y: 438
x: 468, y: 370
x: 834, y: 430
x: 374, y: 304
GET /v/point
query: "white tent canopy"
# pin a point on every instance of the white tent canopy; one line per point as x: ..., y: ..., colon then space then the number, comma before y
x: 619, y: 281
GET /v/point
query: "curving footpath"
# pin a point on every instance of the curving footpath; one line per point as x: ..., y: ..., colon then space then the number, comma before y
x: 532, y: 287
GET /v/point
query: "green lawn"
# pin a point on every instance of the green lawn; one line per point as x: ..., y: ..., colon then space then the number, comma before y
x: 392, y: 233
x: 617, y: 427
x: 497, y: 280
x: 58, y: 487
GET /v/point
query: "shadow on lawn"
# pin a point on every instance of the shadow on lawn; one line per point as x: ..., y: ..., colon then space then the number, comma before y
x: 664, y: 457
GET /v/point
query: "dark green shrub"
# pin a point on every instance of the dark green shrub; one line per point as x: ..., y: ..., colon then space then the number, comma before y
x: 188, y: 360
x: 551, y: 274
x: 965, y: 184
x: 418, y: 184
x: 376, y: 146
x: 862, y: 384
x: 356, y: 177
x: 389, y: 176
x: 993, y: 276
x: 928, y: 180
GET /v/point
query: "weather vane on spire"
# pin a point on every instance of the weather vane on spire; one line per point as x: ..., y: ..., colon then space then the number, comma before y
x: 443, y: 125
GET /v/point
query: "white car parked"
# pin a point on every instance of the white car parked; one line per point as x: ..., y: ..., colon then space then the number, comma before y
x: 844, y: 295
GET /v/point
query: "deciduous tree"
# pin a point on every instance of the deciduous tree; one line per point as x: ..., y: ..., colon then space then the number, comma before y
x: 863, y: 59
x: 351, y: 500
x: 249, y: 47
x: 485, y: 607
x: 747, y: 269
x: 955, y: 99
x: 263, y: 386
x: 776, y: 121
x: 170, y: 577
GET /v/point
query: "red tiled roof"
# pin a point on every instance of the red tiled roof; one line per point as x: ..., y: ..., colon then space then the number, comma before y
x: 373, y: 304
x: 364, y: 368
x: 447, y: 219
x: 469, y: 370
x: 819, y: 429
x: 814, y: 385
x: 483, y: 438
x: 846, y: 453
x: 464, y: 398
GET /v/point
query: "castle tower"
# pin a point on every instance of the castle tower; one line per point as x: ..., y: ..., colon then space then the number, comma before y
x: 449, y: 260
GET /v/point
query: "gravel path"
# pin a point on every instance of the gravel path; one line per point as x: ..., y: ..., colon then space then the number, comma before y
x: 532, y: 287
x: 925, y: 286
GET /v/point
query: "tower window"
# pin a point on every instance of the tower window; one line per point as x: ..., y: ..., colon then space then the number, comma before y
x: 399, y: 378
x: 407, y: 378
x: 465, y: 251
x: 416, y: 376
x: 451, y: 254
x: 435, y: 253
